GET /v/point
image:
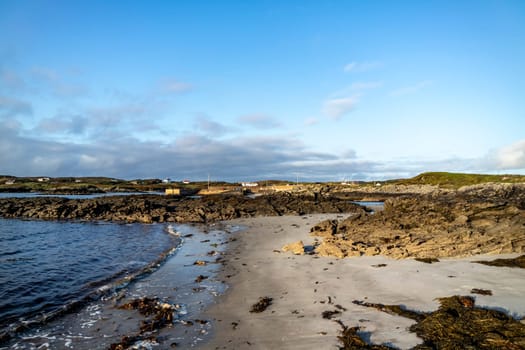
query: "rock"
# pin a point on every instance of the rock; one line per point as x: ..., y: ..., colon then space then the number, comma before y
x: 329, y: 249
x: 296, y: 248
x: 479, y: 220
x: 154, y: 208
x: 325, y: 228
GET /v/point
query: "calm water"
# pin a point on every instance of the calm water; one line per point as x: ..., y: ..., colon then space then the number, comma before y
x: 46, y: 266
x: 72, y: 196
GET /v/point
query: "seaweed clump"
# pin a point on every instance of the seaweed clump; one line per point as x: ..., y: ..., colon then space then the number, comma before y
x: 159, y: 316
x: 458, y: 324
x: 351, y: 340
x: 261, y: 305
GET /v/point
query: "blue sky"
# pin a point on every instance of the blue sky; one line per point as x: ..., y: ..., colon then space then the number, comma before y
x: 248, y: 90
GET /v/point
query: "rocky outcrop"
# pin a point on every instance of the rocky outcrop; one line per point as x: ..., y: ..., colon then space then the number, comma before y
x: 480, y: 219
x: 157, y: 208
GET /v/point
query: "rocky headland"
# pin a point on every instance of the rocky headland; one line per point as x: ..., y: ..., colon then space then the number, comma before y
x: 158, y: 208
x: 480, y: 219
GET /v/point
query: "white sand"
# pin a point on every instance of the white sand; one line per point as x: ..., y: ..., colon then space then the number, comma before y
x: 301, y: 287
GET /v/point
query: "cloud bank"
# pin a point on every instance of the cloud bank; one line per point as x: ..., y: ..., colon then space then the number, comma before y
x: 195, y: 155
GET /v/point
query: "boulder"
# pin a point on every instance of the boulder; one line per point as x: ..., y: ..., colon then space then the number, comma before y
x: 296, y: 248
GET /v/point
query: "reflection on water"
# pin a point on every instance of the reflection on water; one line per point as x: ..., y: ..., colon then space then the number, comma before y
x: 71, y: 196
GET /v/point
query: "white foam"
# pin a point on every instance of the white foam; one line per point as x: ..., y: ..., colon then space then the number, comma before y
x: 172, y: 231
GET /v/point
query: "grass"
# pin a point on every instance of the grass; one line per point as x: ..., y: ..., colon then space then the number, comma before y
x: 455, y: 180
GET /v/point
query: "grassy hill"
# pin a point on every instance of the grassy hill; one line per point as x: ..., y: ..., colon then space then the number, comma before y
x: 455, y: 180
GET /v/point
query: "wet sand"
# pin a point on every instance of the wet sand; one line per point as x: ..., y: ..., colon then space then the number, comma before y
x: 303, y: 287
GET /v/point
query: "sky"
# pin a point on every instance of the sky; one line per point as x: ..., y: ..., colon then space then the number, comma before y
x: 252, y: 90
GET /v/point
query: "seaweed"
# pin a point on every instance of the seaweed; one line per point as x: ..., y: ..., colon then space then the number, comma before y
x: 481, y: 291
x: 351, y: 340
x: 261, y: 305
x: 393, y: 310
x: 329, y: 314
x: 162, y: 315
x: 200, y: 278
x: 457, y: 324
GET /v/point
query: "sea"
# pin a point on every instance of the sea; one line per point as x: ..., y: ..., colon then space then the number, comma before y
x: 60, y: 280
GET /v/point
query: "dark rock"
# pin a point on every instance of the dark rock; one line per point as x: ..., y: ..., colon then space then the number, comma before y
x: 155, y: 208
x: 512, y: 262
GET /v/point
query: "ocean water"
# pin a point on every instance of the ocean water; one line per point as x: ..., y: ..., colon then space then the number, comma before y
x: 48, y: 268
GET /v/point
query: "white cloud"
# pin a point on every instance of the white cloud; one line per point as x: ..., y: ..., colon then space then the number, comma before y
x: 367, y: 85
x: 510, y: 157
x: 11, y: 80
x: 349, y: 154
x: 259, y: 121
x: 57, y: 83
x: 337, y: 107
x: 177, y: 87
x: 208, y: 126
x: 357, y: 88
x: 63, y: 124
x: 12, y: 107
x: 311, y: 121
x: 357, y: 67
x: 411, y: 89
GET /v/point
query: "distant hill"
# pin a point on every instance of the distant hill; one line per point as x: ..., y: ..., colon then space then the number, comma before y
x: 455, y: 180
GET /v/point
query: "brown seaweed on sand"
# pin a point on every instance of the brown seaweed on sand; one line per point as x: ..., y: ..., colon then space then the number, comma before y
x: 481, y: 291
x: 162, y: 315
x: 127, y: 341
x: 458, y: 324
x: 262, y: 304
x: 328, y: 314
x: 350, y: 339
x: 393, y: 310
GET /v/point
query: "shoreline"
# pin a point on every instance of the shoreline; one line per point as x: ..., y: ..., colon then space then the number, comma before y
x: 177, y: 281
x: 304, y: 286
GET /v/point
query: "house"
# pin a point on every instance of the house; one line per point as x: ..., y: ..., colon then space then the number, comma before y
x: 43, y: 179
x: 166, y: 180
x: 249, y: 184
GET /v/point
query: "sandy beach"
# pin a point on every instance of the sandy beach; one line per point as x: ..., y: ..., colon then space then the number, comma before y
x: 302, y: 287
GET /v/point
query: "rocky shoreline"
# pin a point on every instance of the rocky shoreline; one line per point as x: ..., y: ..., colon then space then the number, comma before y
x: 416, y: 222
x: 155, y: 208
x: 472, y: 220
